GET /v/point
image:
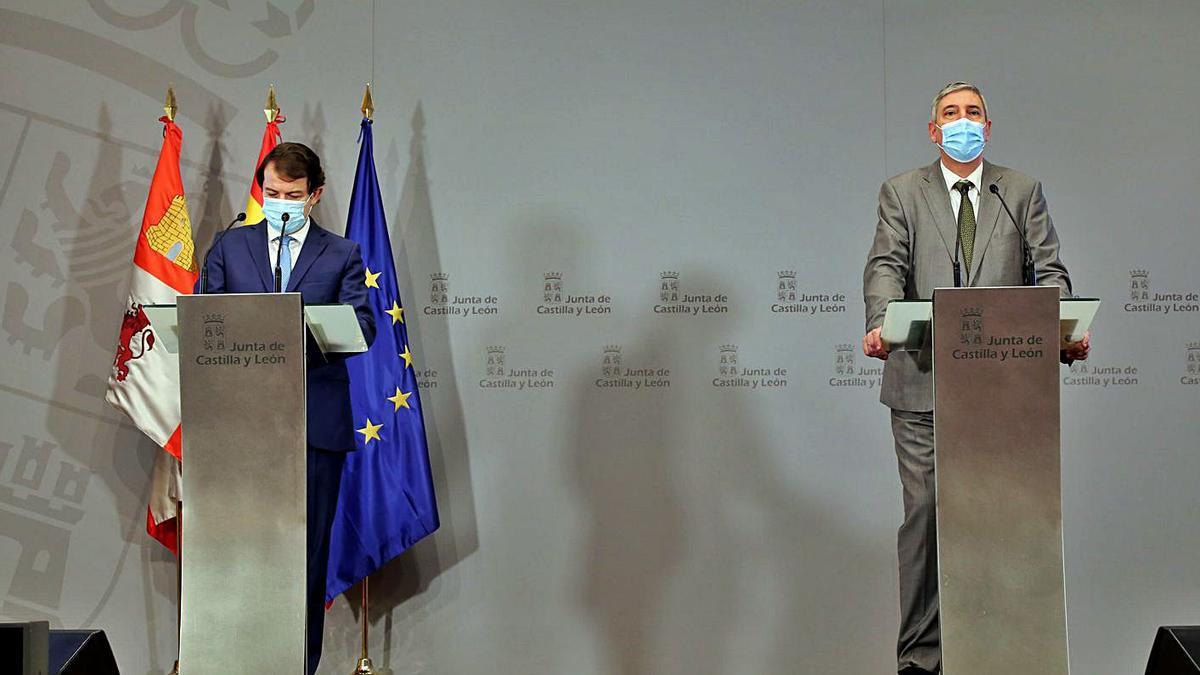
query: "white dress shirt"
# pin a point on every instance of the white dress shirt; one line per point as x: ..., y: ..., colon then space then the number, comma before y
x: 976, y: 178
x: 294, y: 245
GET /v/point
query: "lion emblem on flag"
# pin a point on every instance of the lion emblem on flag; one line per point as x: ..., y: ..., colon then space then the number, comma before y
x: 135, y: 340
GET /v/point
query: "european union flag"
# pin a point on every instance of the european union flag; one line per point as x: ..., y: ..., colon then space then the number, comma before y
x: 387, y: 502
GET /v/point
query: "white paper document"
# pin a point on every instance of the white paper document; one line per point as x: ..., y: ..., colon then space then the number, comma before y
x: 335, y: 328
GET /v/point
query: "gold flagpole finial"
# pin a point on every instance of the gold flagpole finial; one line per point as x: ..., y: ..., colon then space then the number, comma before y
x: 169, y: 106
x: 272, y: 108
x: 368, y: 104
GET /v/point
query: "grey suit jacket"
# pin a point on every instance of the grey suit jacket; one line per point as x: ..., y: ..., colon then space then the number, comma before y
x: 914, y: 250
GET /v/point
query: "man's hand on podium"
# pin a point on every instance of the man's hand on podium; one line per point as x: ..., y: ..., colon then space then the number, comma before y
x: 1077, y: 351
x: 873, y: 344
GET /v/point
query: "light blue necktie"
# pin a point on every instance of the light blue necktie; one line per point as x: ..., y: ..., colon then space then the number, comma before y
x: 285, y: 262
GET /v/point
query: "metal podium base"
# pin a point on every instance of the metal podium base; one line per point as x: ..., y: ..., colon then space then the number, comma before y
x: 242, y: 379
x: 999, y: 515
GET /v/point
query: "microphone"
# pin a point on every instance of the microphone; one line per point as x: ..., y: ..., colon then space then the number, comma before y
x: 204, y: 267
x: 279, y: 255
x: 1028, y: 275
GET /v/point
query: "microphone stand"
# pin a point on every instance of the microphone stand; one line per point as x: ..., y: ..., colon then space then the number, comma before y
x: 204, y: 266
x: 1028, y: 274
x: 279, y: 256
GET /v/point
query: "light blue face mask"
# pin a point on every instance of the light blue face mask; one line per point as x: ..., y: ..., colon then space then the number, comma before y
x: 274, y: 209
x: 963, y: 139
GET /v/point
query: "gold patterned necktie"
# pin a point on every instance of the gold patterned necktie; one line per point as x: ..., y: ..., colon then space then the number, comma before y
x: 966, y: 221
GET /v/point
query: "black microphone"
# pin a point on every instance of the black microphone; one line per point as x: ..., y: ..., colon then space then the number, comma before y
x: 204, y: 267
x: 279, y: 255
x: 1028, y: 275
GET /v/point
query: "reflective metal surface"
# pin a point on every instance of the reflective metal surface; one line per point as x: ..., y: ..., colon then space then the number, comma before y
x: 243, y: 395
x: 996, y: 418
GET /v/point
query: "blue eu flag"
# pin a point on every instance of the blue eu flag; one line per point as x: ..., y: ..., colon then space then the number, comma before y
x: 387, y: 502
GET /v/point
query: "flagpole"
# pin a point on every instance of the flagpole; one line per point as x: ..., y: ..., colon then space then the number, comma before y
x: 178, y: 582
x: 170, y: 108
x: 365, y: 666
x: 364, y: 663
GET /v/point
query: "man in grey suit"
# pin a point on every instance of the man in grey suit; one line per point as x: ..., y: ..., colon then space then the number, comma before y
x: 926, y: 217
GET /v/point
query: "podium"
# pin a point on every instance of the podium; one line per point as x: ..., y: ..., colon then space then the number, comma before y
x: 242, y: 363
x: 996, y: 416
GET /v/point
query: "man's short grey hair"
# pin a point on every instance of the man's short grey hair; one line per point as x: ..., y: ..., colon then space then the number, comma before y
x: 950, y: 89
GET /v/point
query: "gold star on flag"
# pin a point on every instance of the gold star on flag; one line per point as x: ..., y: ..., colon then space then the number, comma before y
x: 396, y: 312
x: 371, y: 431
x: 371, y: 279
x: 407, y: 356
x: 400, y: 399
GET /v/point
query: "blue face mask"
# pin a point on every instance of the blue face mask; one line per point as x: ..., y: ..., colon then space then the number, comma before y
x: 274, y: 209
x: 963, y: 139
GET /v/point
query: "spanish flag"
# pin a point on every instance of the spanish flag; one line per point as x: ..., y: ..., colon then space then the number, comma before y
x: 270, y: 139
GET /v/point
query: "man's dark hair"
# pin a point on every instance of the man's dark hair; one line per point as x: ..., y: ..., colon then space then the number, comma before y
x: 292, y: 161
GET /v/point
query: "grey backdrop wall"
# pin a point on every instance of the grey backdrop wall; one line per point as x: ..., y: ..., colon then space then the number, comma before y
x: 640, y: 512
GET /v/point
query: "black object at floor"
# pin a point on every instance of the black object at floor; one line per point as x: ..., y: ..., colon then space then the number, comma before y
x: 23, y: 647
x: 1176, y: 651
x: 81, y: 652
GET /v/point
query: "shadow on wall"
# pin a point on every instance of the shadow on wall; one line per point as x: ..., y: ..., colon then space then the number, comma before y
x: 213, y: 210
x: 624, y: 465
x: 701, y: 556
x: 330, y: 213
x: 95, y: 232
x: 92, y: 231
x: 407, y: 583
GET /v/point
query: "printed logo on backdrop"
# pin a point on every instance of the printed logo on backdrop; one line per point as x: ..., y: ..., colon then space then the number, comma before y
x: 41, y: 503
x: 1091, y: 375
x: 1191, y: 374
x: 615, y: 374
x: 846, y: 372
x: 556, y: 302
x: 1143, y: 298
x: 443, y: 302
x: 92, y: 239
x: 498, y: 374
x: 73, y: 249
x: 427, y: 378
x: 789, y: 299
x: 732, y: 374
x: 674, y: 300
x: 260, y: 22
x: 976, y: 344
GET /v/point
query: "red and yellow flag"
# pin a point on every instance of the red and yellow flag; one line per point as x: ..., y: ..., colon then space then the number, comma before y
x: 144, y: 382
x: 270, y: 139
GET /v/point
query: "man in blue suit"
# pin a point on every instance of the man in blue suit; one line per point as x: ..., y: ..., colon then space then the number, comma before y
x: 324, y: 268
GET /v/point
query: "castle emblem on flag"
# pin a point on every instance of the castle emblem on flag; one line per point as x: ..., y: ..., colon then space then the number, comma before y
x: 171, y: 237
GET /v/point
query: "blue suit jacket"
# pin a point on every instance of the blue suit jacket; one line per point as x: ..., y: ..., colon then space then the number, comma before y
x: 329, y: 269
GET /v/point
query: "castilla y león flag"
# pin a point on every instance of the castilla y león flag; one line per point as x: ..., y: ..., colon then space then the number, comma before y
x: 144, y: 382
